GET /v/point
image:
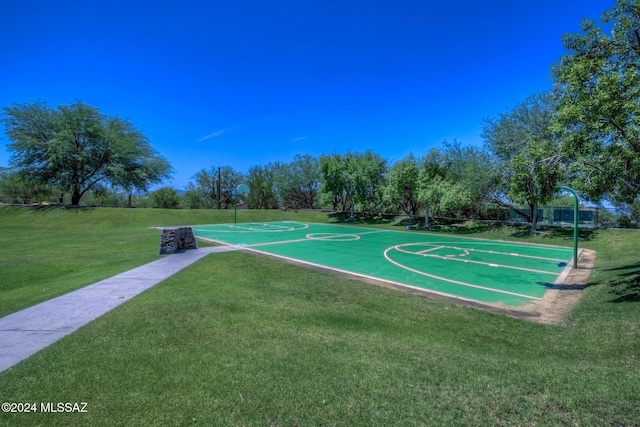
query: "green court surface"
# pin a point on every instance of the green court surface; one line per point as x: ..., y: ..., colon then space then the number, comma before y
x: 487, y: 271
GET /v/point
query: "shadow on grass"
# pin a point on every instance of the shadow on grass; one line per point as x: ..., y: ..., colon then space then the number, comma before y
x: 358, y: 218
x: 461, y: 226
x: 627, y: 288
x: 562, y: 287
x: 554, y: 233
x: 54, y: 207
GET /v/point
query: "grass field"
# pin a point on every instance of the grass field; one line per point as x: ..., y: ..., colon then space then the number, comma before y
x: 239, y: 339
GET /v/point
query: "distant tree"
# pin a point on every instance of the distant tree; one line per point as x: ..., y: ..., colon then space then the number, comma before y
x: 474, y: 171
x: 77, y: 148
x: 15, y: 188
x: 261, y: 183
x: 202, y: 190
x: 353, y: 180
x: 442, y: 196
x: 334, y: 188
x: 598, y: 85
x: 402, y: 185
x: 366, y: 173
x: 165, y: 198
x: 447, y: 180
x: 297, y: 183
x: 522, y: 142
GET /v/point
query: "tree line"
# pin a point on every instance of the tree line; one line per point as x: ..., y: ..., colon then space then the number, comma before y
x: 584, y: 133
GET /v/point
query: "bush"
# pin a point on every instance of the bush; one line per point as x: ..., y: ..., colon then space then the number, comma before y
x: 165, y: 198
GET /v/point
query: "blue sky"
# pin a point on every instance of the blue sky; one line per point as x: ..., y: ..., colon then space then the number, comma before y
x: 243, y: 83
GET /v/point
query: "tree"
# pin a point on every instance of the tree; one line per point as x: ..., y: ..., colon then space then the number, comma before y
x: 213, y: 188
x: 15, y: 188
x: 165, y: 198
x: 261, y: 195
x: 472, y: 170
x: 297, y: 183
x: 522, y: 141
x: 598, y: 86
x: 77, y: 148
x: 353, y: 180
x: 334, y: 188
x: 402, y: 185
x: 366, y: 174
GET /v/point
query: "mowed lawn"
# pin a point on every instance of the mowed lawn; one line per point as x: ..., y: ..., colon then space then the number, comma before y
x: 240, y: 339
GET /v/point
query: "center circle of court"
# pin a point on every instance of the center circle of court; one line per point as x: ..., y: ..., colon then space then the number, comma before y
x: 334, y: 237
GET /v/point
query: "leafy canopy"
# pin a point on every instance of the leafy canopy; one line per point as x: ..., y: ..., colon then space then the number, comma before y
x: 598, y: 87
x: 523, y: 143
x: 77, y: 148
x: 352, y: 180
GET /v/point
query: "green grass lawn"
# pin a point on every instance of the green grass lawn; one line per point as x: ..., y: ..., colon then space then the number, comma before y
x: 239, y: 339
x: 46, y: 252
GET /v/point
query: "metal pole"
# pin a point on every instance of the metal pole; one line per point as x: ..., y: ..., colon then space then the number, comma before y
x: 235, y: 208
x: 218, y: 187
x: 575, y: 225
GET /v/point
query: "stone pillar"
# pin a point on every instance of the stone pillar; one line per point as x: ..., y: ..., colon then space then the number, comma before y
x: 176, y: 239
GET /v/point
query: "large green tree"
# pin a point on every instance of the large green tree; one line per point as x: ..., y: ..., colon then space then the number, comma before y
x: 442, y: 187
x: 334, y: 185
x: 352, y: 180
x: 297, y: 183
x: 522, y: 142
x: 402, y: 185
x: 469, y: 169
x: 77, y: 148
x: 261, y: 183
x: 598, y: 86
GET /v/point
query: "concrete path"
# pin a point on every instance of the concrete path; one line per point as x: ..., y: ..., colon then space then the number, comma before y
x: 26, y: 332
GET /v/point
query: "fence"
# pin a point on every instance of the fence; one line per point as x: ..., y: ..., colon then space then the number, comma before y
x: 588, y: 217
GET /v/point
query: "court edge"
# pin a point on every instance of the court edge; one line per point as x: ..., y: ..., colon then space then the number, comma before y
x: 422, y: 291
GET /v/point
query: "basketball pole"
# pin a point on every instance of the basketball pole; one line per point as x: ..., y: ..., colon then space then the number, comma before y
x: 575, y: 224
x: 241, y: 189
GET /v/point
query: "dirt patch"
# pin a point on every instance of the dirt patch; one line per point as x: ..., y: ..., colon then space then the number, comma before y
x: 557, y: 303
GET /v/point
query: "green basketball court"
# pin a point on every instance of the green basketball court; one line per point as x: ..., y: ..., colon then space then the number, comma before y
x: 496, y: 272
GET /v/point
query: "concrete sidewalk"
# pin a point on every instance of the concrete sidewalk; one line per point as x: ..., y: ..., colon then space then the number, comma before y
x: 26, y: 332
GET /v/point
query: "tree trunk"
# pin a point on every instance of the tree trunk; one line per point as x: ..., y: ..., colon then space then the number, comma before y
x: 75, y: 198
x: 534, y: 217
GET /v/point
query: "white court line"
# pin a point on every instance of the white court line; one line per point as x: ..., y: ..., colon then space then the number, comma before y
x: 278, y: 243
x: 328, y: 238
x: 370, y: 232
x: 250, y: 227
x: 307, y: 238
x: 457, y: 282
x: 488, y: 252
x: 375, y: 278
x: 429, y: 250
x: 285, y: 227
x: 478, y: 262
x: 519, y: 255
x: 331, y: 237
x: 252, y: 246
